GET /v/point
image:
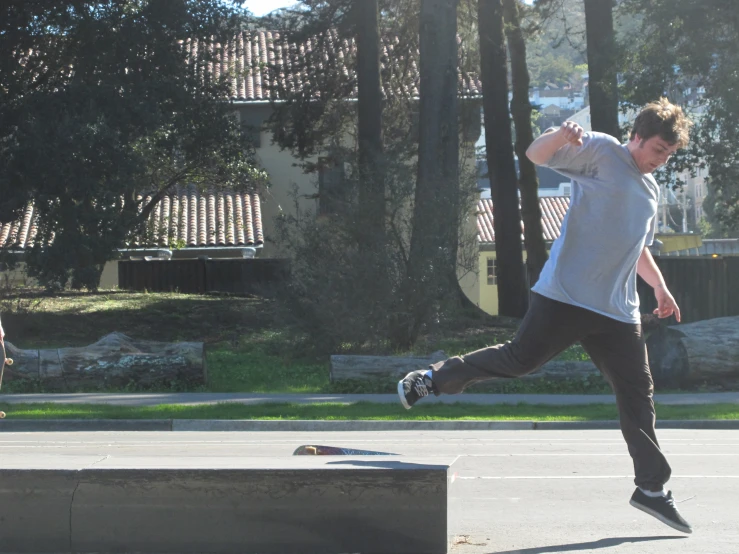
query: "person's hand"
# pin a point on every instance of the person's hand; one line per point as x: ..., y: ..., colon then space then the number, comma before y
x: 572, y: 132
x: 666, y: 305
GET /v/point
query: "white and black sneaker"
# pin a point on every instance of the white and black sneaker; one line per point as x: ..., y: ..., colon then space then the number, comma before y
x: 413, y: 386
x: 661, y: 507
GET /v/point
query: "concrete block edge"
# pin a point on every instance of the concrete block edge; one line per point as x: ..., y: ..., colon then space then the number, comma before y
x: 66, y: 425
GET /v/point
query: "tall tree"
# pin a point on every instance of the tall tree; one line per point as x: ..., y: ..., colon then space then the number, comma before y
x: 528, y: 182
x: 501, y: 165
x: 432, y: 260
x: 603, y: 85
x: 371, y: 164
x: 419, y: 260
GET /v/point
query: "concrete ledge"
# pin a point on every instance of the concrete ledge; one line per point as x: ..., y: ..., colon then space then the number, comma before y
x: 35, y: 509
x: 47, y: 425
x: 311, y: 505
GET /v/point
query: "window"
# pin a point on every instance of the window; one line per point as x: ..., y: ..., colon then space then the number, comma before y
x: 330, y: 188
x: 492, y: 275
x: 252, y: 119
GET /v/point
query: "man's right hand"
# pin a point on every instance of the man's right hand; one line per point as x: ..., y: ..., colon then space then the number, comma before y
x: 543, y: 148
x: 572, y: 132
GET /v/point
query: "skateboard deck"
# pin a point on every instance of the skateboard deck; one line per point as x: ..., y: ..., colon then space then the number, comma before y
x: 320, y: 450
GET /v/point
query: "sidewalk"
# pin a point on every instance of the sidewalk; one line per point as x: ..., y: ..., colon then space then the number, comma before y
x: 153, y: 399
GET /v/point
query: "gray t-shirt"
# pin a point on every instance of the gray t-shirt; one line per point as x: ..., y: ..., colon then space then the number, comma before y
x: 612, y: 216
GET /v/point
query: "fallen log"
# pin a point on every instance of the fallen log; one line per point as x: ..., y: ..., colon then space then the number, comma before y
x: 114, y: 361
x: 696, y: 353
x: 344, y: 367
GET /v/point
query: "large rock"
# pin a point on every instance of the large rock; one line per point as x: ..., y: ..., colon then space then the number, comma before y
x: 696, y: 353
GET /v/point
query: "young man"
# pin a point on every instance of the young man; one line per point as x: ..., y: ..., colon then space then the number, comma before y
x: 587, y: 289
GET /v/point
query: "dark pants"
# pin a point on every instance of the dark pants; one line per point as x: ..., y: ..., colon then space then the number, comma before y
x: 617, y: 349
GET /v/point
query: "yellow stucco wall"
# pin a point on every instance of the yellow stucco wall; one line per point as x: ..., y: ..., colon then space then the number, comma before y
x: 284, y: 178
x: 487, y: 297
x: 488, y: 293
x: 674, y: 242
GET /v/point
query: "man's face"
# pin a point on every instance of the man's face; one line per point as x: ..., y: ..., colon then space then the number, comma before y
x: 651, y: 154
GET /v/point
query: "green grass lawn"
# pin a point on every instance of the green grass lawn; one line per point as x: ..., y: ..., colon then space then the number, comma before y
x: 247, y: 348
x: 358, y: 411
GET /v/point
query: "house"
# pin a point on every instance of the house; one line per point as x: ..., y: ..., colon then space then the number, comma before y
x: 551, y: 183
x: 485, y: 291
x: 563, y: 98
x: 191, y: 224
x: 188, y: 223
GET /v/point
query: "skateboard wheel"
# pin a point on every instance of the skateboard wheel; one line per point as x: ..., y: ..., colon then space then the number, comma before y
x: 8, y: 361
x: 2, y: 415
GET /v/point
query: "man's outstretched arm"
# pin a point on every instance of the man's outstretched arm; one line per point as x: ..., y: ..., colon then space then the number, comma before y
x: 648, y: 270
x: 543, y: 148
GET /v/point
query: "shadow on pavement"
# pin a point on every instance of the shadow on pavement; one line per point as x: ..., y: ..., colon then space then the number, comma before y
x: 592, y: 545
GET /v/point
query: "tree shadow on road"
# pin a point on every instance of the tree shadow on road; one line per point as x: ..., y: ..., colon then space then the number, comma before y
x: 592, y: 545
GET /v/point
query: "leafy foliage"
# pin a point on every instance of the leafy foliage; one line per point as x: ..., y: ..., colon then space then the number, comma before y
x: 685, y: 45
x: 102, y: 113
x: 350, y: 285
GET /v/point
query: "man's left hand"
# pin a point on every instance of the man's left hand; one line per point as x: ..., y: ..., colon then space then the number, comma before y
x: 666, y: 305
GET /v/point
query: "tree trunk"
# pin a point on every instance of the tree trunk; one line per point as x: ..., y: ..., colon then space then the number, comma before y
x: 343, y: 367
x: 501, y: 165
x: 603, y: 88
x: 371, y: 167
x: 704, y: 352
x: 432, y: 262
x: 113, y: 361
x: 528, y: 183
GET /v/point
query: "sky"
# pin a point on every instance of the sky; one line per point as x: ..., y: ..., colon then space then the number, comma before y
x: 263, y: 7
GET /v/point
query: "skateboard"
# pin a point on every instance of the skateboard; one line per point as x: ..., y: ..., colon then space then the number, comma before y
x: 6, y: 361
x: 318, y: 450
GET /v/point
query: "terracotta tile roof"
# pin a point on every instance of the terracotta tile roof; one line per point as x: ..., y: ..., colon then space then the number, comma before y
x: 187, y: 216
x: 257, y: 60
x: 553, y: 209
x: 213, y: 218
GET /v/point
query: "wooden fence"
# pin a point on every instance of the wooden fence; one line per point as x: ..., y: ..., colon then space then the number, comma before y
x: 704, y: 288
x: 201, y: 276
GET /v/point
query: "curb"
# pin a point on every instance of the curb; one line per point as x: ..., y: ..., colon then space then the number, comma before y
x: 223, y: 425
x: 66, y: 425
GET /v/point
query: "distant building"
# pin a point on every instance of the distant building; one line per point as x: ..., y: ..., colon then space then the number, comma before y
x: 551, y: 183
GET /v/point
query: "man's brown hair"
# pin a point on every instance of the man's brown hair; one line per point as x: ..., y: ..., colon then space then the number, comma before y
x: 664, y: 119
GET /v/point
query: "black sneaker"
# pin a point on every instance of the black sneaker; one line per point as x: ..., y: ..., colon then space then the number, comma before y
x: 413, y: 386
x: 661, y: 507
